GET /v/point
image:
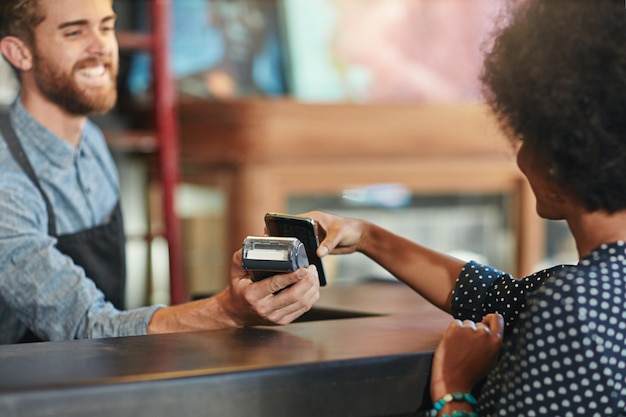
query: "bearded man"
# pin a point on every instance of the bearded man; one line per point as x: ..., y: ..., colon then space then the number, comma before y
x: 62, y: 266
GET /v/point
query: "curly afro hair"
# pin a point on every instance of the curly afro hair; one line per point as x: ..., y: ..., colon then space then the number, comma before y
x: 556, y: 79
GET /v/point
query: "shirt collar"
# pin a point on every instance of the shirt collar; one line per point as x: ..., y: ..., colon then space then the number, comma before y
x: 39, y: 142
x: 615, y: 250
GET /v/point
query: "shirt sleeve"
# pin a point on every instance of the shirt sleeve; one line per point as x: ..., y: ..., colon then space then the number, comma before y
x: 482, y: 289
x: 41, y: 288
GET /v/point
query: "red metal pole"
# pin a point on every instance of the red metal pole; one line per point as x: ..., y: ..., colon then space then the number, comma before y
x: 167, y: 138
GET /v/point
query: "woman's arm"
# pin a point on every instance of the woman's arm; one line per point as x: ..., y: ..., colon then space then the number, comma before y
x: 430, y: 273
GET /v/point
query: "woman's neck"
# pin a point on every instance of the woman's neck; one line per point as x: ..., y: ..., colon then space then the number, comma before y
x: 592, y: 229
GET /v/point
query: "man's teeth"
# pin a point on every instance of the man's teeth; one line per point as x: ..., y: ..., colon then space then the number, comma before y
x: 93, y: 71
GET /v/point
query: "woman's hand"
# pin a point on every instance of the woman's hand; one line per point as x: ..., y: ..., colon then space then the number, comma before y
x: 337, y: 235
x: 467, y: 352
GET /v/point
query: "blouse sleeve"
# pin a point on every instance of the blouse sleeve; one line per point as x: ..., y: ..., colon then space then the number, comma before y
x: 482, y: 289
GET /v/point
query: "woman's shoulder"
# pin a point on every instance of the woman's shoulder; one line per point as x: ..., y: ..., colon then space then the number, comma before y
x: 591, y: 289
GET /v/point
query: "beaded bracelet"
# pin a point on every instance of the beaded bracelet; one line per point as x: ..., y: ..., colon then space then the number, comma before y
x: 457, y: 396
x: 460, y: 413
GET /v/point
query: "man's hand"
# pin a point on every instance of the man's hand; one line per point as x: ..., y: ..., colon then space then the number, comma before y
x: 275, y: 300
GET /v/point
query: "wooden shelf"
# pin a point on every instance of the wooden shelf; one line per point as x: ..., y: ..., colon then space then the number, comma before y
x: 262, y: 130
x: 134, y: 41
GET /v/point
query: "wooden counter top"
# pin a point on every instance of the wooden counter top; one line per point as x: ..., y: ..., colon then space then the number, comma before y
x: 376, y: 363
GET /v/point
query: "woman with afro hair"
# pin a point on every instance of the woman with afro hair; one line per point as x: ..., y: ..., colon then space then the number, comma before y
x: 552, y: 343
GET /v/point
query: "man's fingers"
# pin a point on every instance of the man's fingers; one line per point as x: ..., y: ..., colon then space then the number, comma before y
x: 279, y: 282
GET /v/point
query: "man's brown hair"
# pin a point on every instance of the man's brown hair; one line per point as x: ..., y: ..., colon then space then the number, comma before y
x: 19, y: 18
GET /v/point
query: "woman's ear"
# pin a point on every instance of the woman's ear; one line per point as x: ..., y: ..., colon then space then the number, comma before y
x: 17, y: 53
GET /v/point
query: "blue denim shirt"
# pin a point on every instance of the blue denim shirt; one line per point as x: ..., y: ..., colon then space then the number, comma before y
x: 39, y: 286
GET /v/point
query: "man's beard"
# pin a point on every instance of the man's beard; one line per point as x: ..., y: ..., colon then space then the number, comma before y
x: 61, y: 88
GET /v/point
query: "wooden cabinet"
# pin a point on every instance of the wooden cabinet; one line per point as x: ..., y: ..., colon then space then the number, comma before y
x: 259, y: 152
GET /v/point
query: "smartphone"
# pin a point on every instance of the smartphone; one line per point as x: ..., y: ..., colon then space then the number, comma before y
x: 302, y: 228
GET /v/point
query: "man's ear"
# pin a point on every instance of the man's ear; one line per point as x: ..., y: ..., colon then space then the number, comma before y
x: 16, y: 52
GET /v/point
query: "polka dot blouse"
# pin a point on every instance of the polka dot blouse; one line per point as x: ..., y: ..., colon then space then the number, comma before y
x: 564, y: 352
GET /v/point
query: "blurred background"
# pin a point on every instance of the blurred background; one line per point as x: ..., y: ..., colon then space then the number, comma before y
x: 232, y: 61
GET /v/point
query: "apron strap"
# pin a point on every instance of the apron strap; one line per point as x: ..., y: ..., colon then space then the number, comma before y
x: 20, y: 157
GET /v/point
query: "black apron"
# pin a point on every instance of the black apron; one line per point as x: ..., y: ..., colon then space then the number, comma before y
x: 100, y: 251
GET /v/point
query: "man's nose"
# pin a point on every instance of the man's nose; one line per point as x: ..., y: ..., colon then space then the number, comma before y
x: 102, y: 43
